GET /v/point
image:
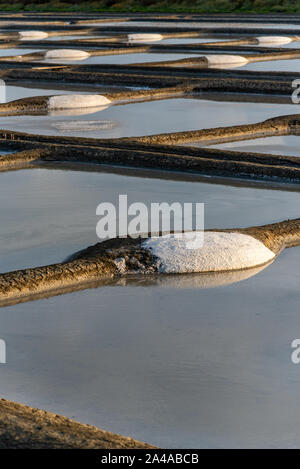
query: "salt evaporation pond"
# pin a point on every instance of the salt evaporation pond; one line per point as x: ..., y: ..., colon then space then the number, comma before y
x: 14, y: 92
x: 292, y: 65
x: 138, y: 119
x: 176, y: 367
x: 73, y: 37
x: 123, y: 59
x: 279, y: 145
x: 290, y: 45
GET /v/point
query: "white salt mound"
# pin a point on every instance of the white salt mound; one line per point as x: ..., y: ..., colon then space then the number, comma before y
x: 219, y: 252
x: 216, y: 59
x: 145, y: 37
x: 274, y: 39
x: 32, y: 35
x: 72, y: 101
x: 66, y: 54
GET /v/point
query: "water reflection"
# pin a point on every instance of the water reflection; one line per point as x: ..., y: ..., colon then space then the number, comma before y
x: 71, y: 125
x: 176, y: 114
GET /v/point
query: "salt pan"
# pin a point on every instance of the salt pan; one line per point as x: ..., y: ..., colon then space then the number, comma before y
x: 216, y: 59
x: 32, y: 35
x: 221, y: 251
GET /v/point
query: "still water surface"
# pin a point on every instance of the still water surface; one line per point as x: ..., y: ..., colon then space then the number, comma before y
x: 177, y: 367
x: 138, y: 119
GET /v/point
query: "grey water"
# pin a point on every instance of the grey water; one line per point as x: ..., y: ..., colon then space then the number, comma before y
x: 194, y: 24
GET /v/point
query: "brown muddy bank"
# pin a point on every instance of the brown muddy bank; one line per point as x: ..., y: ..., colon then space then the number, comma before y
x: 23, y: 427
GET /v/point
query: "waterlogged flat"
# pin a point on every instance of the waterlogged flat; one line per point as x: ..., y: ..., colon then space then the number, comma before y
x: 138, y: 119
x: 288, y: 145
x: 13, y: 92
x: 189, y: 40
x: 49, y: 214
x: 176, y: 367
x: 17, y: 51
x: 73, y: 37
x: 195, y: 24
x: 123, y: 59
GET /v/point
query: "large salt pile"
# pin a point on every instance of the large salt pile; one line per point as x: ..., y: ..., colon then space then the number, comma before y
x: 274, y: 40
x: 144, y: 37
x: 208, y: 251
x: 82, y: 125
x: 66, y: 54
x: 73, y: 101
x: 32, y: 35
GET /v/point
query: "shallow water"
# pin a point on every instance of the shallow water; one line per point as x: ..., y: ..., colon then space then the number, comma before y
x: 290, y: 45
x: 273, y: 66
x: 204, y: 24
x: 181, y: 368
x: 123, y: 59
x: 6, y: 23
x: 49, y: 214
x: 279, y: 145
x: 14, y: 51
x: 137, y: 119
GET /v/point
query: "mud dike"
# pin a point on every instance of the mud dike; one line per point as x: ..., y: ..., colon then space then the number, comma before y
x: 113, y: 63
